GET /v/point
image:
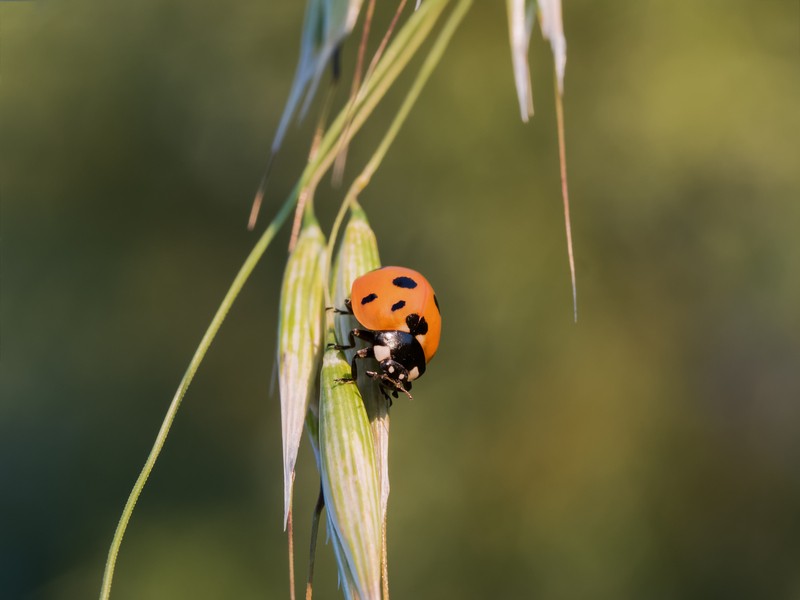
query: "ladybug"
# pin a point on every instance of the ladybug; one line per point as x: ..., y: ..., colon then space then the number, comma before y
x: 401, y: 322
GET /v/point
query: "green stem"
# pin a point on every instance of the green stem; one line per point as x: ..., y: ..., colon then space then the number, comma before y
x: 313, y: 545
x: 396, y: 58
x: 363, y: 179
x: 241, y: 277
x: 433, y: 58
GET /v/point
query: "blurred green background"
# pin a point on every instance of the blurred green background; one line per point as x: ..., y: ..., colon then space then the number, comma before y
x: 650, y: 451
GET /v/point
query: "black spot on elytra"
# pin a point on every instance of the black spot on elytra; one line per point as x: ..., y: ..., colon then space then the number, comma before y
x: 436, y: 302
x: 398, y: 305
x: 404, y: 282
x: 369, y: 298
x: 416, y: 325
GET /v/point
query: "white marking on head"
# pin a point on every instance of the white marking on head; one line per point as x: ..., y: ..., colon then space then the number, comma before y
x: 382, y: 352
x: 413, y: 374
x: 391, y: 370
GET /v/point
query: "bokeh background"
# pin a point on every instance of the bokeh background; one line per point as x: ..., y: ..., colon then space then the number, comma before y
x: 652, y: 450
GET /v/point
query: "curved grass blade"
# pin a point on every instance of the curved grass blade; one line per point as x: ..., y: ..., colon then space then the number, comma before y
x: 553, y: 30
x: 216, y: 322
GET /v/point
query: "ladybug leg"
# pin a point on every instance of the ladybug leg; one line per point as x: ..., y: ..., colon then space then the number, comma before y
x: 395, y: 371
x: 394, y: 378
x: 395, y: 386
x: 353, y: 368
x: 351, y: 337
x: 367, y: 352
x: 363, y: 353
x: 348, y: 308
x: 362, y: 334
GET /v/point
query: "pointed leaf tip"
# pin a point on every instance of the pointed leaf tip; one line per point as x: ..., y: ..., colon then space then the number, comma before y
x: 520, y: 24
x: 553, y: 30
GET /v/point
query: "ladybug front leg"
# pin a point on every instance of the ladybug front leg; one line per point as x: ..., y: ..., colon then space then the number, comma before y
x: 394, y: 376
x: 389, y: 383
x: 396, y: 372
x: 348, y: 308
x: 360, y: 354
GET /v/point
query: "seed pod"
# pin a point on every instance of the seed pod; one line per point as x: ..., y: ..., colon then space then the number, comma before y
x: 350, y: 476
x: 299, y: 343
x: 358, y: 254
x: 346, y: 579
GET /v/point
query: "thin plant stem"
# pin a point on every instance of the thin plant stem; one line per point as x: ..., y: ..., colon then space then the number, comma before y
x: 370, y: 69
x: 358, y: 185
x: 290, y: 535
x: 431, y: 60
x: 562, y: 159
x: 338, y: 166
x: 384, y: 561
x: 362, y: 48
x: 434, y: 55
x: 305, y: 201
x: 396, y: 58
x: 386, y: 37
x: 219, y: 317
x: 255, y: 207
x: 313, y: 545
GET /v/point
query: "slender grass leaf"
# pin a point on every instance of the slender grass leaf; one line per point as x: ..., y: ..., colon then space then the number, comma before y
x: 211, y: 331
